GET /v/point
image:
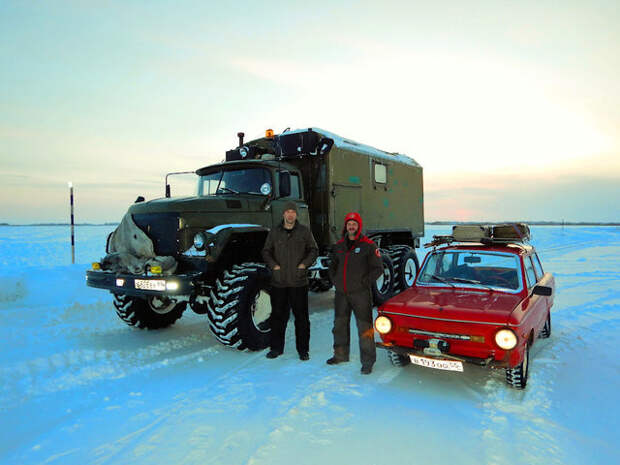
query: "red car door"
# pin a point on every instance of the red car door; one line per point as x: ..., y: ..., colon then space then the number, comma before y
x: 535, y: 305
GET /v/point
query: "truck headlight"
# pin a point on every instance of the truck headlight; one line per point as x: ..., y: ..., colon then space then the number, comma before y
x: 383, y: 324
x: 506, y: 339
x: 199, y: 241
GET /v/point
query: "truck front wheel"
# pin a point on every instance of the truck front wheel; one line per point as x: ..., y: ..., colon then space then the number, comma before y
x: 153, y: 312
x: 239, y: 307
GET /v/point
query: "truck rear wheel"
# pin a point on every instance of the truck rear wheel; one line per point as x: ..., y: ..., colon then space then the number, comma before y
x: 382, y: 288
x: 321, y: 283
x: 153, y: 312
x: 239, y: 307
x: 406, y: 266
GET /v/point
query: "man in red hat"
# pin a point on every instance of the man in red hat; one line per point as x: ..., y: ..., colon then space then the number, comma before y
x: 355, y: 264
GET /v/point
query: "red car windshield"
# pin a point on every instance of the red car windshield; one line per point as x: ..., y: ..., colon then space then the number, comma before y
x: 465, y: 268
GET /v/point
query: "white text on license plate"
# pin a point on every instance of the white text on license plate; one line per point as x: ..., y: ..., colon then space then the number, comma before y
x: 150, y: 284
x: 450, y: 365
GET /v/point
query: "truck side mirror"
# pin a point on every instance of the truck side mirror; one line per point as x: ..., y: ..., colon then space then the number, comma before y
x: 285, y: 184
x: 167, y: 190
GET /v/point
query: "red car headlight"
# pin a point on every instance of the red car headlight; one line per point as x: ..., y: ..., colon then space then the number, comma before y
x: 383, y: 324
x: 506, y: 339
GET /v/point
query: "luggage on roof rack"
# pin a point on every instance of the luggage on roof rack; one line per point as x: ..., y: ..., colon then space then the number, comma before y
x: 518, y: 232
x: 471, y: 232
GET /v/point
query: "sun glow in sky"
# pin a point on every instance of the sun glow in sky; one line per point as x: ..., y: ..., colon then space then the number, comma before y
x: 510, y: 107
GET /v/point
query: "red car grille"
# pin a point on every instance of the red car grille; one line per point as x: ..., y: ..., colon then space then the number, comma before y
x: 468, y: 339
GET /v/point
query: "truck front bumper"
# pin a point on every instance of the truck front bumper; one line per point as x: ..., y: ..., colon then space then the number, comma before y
x: 143, y: 285
x: 489, y: 362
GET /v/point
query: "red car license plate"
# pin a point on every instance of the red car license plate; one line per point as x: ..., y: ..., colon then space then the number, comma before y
x: 450, y: 365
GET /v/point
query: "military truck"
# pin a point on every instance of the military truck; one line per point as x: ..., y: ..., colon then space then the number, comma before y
x: 215, y: 237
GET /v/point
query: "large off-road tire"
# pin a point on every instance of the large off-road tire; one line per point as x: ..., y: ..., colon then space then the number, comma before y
x: 517, y: 376
x: 150, y: 313
x: 398, y: 360
x: 239, y: 307
x: 546, y: 331
x: 382, y: 288
x: 406, y: 266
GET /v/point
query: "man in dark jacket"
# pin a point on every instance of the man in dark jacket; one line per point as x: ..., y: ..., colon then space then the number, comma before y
x: 289, y: 250
x: 355, y: 264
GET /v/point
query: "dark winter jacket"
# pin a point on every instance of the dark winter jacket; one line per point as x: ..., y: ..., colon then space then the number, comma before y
x: 289, y: 250
x: 355, y: 268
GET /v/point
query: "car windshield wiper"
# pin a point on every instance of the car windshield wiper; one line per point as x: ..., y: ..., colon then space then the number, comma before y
x: 471, y: 281
x: 441, y: 280
x: 464, y: 280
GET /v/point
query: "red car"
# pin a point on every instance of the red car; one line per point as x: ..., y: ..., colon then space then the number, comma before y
x: 484, y: 302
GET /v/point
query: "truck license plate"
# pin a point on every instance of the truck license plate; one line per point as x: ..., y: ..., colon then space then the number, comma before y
x: 450, y: 365
x: 150, y: 284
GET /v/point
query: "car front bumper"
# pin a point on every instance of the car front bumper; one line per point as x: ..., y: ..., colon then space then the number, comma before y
x: 489, y: 362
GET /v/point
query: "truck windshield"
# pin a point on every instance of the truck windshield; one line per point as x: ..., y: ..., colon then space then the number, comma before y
x: 236, y: 181
x: 472, y: 268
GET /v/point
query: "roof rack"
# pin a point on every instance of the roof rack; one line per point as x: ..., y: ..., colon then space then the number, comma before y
x: 498, y: 234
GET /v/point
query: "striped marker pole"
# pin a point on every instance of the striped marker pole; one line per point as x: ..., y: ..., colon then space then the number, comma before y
x: 72, y: 224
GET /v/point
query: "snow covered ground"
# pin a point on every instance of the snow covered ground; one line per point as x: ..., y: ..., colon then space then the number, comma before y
x: 79, y: 386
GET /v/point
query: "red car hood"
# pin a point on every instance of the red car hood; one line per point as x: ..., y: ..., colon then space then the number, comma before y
x: 454, y: 304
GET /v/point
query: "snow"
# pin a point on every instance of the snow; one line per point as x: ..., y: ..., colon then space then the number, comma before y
x: 79, y: 386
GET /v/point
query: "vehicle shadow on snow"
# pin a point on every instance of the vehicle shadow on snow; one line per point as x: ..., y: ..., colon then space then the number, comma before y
x: 190, y: 330
x: 474, y: 383
x: 471, y: 383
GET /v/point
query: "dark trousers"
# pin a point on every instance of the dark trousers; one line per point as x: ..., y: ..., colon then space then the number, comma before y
x: 360, y: 303
x: 283, y: 300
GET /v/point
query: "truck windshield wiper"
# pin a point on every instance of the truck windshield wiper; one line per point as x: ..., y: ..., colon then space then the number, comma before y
x: 225, y: 189
x: 254, y: 193
x: 441, y: 280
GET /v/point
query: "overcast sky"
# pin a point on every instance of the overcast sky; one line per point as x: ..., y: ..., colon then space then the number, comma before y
x: 511, y: 107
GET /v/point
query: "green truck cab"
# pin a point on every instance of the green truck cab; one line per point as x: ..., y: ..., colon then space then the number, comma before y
x: 215, y: 238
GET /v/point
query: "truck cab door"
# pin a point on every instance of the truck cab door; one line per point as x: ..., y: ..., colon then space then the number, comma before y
x: 295, y: 195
